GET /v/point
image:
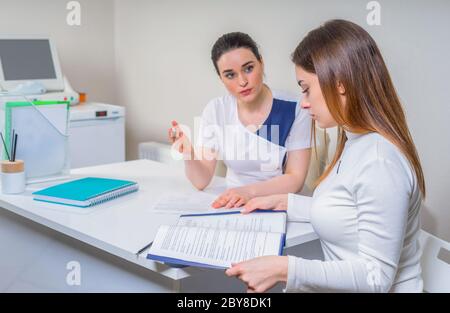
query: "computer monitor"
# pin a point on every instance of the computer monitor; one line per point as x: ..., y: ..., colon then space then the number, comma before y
x: 29, y: 58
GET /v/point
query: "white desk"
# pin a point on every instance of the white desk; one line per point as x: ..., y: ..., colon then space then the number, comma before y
x: 104, y: 239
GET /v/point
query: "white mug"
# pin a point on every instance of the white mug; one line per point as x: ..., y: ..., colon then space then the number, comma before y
x: 13, y: 182
x: 13, y: 177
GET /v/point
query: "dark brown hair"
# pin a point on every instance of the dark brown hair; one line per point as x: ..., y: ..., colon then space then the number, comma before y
x: 230, y: 42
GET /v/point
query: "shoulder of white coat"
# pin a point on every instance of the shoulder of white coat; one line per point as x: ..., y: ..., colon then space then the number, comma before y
x: 291, y: 97
x: 380, y: 149
x: 220, y: 108
x: 285, y: 95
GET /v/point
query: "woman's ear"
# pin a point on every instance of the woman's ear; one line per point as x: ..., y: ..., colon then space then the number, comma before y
x: 341, y: 88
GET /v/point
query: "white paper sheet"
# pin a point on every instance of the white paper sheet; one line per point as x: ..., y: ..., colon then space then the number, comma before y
x: 185, y: 202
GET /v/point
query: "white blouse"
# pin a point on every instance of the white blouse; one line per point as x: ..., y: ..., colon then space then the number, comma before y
x: 366, y: 214
x: 254, y: 156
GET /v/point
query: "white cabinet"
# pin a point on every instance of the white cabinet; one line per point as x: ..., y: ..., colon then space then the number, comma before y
x: 96, y: 134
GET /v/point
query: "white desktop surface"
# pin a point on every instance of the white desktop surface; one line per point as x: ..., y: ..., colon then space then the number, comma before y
x: 125, y: 225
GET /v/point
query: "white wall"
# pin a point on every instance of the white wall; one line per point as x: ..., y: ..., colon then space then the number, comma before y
x: 86, y: 52
x: 164, y: 70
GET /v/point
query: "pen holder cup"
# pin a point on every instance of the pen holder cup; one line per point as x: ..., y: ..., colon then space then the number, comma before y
x: 13, y: 176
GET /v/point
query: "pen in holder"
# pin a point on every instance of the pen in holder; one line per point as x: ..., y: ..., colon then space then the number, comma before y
x: 13, y: 171
x: 13, y: 176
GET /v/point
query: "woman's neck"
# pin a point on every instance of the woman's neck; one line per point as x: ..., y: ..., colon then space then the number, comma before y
x: 253, y: 114
x: 260, y: 103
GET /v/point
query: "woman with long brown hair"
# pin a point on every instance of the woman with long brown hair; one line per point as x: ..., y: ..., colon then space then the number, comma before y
x: 365, y: 208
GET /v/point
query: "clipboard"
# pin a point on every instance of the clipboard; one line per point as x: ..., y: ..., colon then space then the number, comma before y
x: 42, y: 128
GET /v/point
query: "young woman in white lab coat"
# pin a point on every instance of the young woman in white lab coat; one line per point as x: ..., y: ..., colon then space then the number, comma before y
x: 365, y: 208
x: 262, y: 135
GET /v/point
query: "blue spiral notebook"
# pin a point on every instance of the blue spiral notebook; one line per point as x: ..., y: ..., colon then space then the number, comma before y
x: 86, y: 192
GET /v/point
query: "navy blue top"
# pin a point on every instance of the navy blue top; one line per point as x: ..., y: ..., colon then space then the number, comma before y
x: 282, y: 115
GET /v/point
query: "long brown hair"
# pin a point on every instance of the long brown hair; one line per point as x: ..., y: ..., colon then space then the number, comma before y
x: 342, y: 52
